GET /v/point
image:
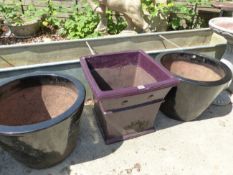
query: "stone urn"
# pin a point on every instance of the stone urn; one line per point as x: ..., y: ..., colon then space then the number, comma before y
x: 224, y: 27
x: 25, y: 30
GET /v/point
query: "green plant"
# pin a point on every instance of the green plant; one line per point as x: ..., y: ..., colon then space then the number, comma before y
x: 14, y: 14
x: 115, y: 22
x: 81, y: 23
x: 156, y: 9
x: 181, y: 17
x: 199, y: 2
x: 49, y: 19
x: 157, y: 14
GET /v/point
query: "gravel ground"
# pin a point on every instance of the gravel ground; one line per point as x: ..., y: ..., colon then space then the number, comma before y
x: 203, y: 146
x: 37, y: 39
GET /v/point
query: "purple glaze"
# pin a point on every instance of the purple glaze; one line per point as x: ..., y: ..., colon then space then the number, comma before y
x: 164, y: 78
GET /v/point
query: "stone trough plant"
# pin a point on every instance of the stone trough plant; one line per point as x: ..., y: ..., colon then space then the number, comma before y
x: 23, y: 23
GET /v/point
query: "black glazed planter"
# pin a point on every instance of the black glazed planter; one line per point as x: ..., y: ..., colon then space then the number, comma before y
x: 128, y: 89
x: 201, y: 81
x: 45, y: 143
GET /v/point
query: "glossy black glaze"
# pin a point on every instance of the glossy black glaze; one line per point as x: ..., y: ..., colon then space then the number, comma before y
x: 191, y: 98
x: 46, y: 143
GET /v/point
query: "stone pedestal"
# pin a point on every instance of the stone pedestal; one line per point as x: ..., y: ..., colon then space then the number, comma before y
x: 224, y: 27
x: 227, y: 59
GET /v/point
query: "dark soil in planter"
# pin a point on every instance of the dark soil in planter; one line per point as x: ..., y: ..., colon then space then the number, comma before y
x: 198, y: 72
x: 36, y: 104
x: 122, y: 77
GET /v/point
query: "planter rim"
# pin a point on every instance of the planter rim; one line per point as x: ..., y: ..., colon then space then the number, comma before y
x: 34, y: 21
x: 219, y: 29
x: 226, y: 78
x: 128, y: 91
x: 22, y: 129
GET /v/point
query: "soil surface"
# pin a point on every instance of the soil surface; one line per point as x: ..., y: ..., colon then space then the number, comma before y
x: 226, y: 25
x: 122, y: 77
x: 36, y: 104
x: 193, y: 71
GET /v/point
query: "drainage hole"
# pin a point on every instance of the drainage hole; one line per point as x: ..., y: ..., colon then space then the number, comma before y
x: 150, y: 96
x: 124, y: 102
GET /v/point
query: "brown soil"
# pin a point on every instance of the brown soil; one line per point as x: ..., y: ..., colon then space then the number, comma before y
x: 122, y: 77
x: 226, y: 25
x: 36, y: 104
x: 193, y: 71
x: 37, y: 39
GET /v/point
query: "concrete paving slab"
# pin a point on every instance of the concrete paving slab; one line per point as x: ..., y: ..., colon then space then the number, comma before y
x: 203, y: 146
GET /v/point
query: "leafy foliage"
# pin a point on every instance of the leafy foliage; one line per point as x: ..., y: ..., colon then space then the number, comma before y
x: 49, y: 19
x: 199, y: 2
x: 15, y: 15
x: 83, y: 20
x: 81, y: 23
x: 181, y: 17
x: 115, y: 22
x: 155, y: 9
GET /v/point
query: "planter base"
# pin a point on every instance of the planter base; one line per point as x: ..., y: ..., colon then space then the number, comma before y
x: 222, y: 26
x: 223, y: 99
x: 102, y: 118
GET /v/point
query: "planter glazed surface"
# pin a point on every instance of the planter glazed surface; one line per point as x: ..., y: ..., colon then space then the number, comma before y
x: 126, y: 86
x: 201, y: 81
x: 25, y: 30
x: 39, y: 117
x: 224, y: 27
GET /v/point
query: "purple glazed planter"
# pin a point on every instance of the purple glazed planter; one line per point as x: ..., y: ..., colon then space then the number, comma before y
x: 126, y: 86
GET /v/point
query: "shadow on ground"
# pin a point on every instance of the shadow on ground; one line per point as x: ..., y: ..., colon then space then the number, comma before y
x: 90, y: 146
x: 213, y: 111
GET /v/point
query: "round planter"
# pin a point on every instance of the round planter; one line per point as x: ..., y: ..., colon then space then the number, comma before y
x: 201, y: 80
x: 223, y: 26
x: 25, y: 30
x: 39, y: 117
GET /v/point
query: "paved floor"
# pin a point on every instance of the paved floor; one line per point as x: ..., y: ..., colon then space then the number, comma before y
x: 204, y: 146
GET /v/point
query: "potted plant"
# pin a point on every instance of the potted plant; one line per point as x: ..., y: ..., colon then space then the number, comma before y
x: 22, y: 22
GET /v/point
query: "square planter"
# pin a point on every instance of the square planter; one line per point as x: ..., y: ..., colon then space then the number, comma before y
x: 128, y: 88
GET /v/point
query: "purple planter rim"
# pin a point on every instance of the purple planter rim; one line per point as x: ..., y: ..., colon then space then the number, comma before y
x: 129, y: 91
